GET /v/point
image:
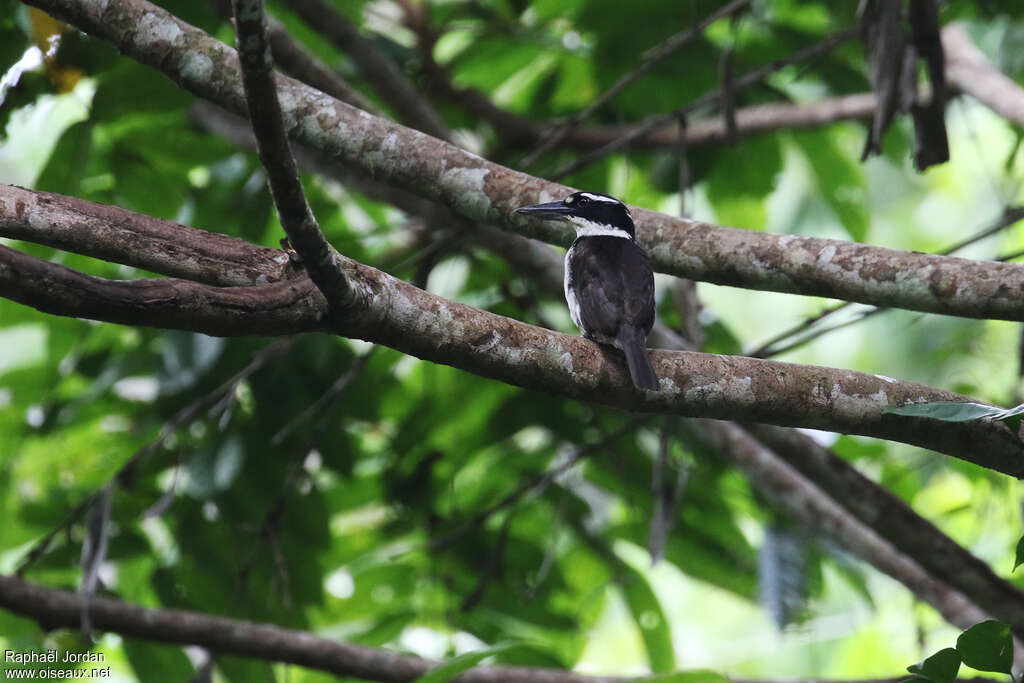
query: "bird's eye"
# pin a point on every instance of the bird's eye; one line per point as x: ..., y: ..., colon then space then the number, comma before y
x: 584, y: 201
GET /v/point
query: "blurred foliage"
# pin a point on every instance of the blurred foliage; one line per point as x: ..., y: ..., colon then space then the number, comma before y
x: 374, y: 517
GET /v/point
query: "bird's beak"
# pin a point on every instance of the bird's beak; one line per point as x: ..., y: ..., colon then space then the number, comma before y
x: 554, y: 210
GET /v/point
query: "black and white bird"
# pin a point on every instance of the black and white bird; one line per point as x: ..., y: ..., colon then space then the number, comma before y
x: 609, y: 285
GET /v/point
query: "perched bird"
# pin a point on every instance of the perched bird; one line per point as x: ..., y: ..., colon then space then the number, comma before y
x: 609, y: 285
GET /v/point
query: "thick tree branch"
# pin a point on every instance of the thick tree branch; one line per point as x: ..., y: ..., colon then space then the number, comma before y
x: 281, y: 308
x: 1010, y: 217
x: 385, y: 310
x: 489, y: 192
x: 969, y: 70
x: 113, y: 234
x: 912, y: 535
x: 55, y: 608
x: 319, y: 258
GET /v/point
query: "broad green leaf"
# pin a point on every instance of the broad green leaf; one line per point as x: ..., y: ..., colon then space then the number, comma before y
x: 66, y: 167
x: 941, y: 667
x: 13, y: 40
x: 456, y: 665
x: 157, y: 662
x: 131, y: 89
x: 840, y: 180
x: 698, y: 676
x: 1019, y: 559
x: 741, y: 180
x: 987, y: 646
x: 30, y: 86
x: 947, y: 411
x: 720, y: 339
x: 490, y: 63
x: 242, y: 670
x: 650, y: 620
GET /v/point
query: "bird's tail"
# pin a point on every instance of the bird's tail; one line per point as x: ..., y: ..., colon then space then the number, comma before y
x: 633, y: 345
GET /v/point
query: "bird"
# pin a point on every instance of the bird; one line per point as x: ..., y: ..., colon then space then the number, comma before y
x: 609, y: 285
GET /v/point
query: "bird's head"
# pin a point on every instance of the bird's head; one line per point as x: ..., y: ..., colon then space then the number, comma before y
x: 590, y: 213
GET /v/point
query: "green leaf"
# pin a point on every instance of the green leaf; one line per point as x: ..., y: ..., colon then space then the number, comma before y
x: 131, y: 88
x: 697, y: 676
x: 741, y: 180
x: 941, y: 667
x: 650, y: 619
x: 1013, y: 422
x: 947, y: 411
x: 30, y: 86
x: 157, y: 662
x: 144, y: 188
x: 720, y: 339
x: 13, y: 40
x: 987, y: 646
x: 840, y: 181
x: 1019, y: 560
x: 66, y: 167
x: 241, y: 670
x: 455, y: 666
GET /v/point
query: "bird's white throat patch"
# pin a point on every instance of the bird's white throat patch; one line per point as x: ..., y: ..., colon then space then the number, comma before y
x: 588, y: 228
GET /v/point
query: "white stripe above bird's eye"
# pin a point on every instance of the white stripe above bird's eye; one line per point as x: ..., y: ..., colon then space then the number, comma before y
x: 588, y: 228
x: 599, y: 198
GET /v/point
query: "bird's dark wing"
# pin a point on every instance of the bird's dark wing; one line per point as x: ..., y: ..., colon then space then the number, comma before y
x: 637, y: 287
x: 614, y: 285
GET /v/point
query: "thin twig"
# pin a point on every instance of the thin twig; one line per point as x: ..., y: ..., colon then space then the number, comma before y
x: 318, y: 256
x: 124, y: 477
x: 332, y: 394
x: 802, y: 341
x: 652, y: 58
x: 267, y: 530
x: 538, y: 482
x: 744, y: 81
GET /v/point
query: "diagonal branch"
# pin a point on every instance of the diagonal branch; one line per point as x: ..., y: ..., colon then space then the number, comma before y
x: 760, y: 118
x: 319, y: 258
x: 969, y: 70
x: 488, y: 192
x: 896, y: 522
x: 388, y: 311
x: 797, y: 493
x: 911, y: 534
